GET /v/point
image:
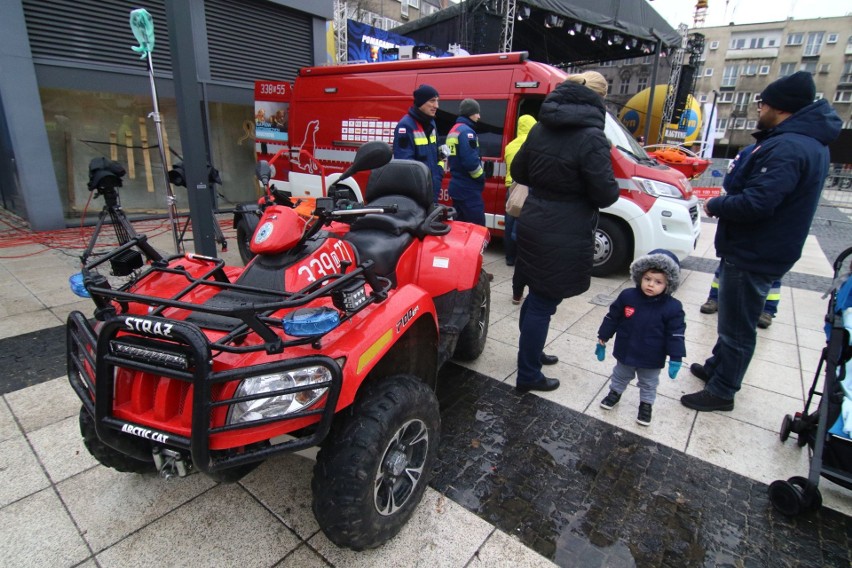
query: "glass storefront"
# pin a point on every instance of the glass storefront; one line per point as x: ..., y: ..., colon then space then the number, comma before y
x: 83, y: 125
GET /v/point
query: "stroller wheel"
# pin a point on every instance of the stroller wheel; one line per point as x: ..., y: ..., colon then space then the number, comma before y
x: 786, y: 427
x: 786, y: 498
x: 810, y: 492
x: 794, y: 496
x: 802, y: 439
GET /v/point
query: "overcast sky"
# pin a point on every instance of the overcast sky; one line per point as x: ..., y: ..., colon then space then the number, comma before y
x: 721, y: 12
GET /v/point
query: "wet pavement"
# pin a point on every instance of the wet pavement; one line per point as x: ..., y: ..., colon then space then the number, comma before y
x: 583, y: 493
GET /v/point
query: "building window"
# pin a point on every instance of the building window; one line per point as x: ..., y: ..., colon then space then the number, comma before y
x: 739, y: 123
x: 742, y: 101
x: 751, y: 125
x: 764, y: 70
x: 755, y: 98
x: 756, y: 43
x: 814, y: 44
x: 843, y: 96
x: 414, y: 3
x: 770, y: 42
x: 832, y: 38
x: 750, y: 69
x: 787, y: 69
x: 738, y: 43
x: 641, y: 84
x: 721, y: 124
x: 819, y: 97
x: 825, y: 68
x: 729, y: 75
x: 702, y: 99
x: 708, y: 72
x: 725, y: 97
x: 846, y: 76
x: 403, y: 9
x: 809, y: 66
x: 714, y: 44
x: 624, y: 88
x: 795, y: 39
x: 607, y: 63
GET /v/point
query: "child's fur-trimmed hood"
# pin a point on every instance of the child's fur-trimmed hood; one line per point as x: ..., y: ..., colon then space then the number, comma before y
x: 659, y: 259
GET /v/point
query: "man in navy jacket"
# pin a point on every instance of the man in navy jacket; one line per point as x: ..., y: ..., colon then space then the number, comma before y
x: 763, y: 222
x: 468, y: 178
x: 416, y: 135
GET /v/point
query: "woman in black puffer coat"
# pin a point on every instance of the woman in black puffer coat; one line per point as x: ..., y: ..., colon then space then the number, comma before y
x: 566, y: 163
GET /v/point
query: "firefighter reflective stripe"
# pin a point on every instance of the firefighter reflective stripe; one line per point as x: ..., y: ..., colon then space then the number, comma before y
x: 453, y: 139
x: 420, y: 138
x: 453, y: 143
x: 774, y: 292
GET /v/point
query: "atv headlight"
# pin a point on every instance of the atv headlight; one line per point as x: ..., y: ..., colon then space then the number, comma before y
x: 658, y: 188
x: 278, y: 404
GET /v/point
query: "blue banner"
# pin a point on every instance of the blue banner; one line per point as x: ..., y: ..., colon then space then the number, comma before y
x: 369, y: 44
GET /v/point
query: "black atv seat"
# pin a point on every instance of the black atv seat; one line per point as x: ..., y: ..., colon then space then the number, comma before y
x: 383, y: 237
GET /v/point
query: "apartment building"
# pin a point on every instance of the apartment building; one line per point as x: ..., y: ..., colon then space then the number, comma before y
x: 740, y: 60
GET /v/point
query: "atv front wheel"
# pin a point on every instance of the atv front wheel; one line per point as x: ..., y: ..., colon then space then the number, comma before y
x: 244, y: 234
x: 372, y: 471
x: 107, y: 455
x: 472, y: 338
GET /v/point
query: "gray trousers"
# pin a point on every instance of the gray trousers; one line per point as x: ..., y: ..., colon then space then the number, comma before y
x: 648, y: 380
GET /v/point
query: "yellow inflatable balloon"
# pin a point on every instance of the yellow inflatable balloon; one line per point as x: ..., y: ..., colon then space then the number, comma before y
x: 633, y: 116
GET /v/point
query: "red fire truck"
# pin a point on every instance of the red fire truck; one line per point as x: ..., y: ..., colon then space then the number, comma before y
x: 311, y: 129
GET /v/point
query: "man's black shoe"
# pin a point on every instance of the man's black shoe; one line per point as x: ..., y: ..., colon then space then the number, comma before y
x: 703, y: 401
x: 698, y: 370
x: 548, y: 359
x: 546, y: 384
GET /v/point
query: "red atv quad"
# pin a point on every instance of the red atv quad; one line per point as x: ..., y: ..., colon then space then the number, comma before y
x: 332, y: 335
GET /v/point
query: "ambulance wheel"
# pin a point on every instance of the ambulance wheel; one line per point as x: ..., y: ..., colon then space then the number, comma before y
x: 471, y: 341
x: 373, y: 468
x: 612, y: 247
x: 786, y: 427
x: 106, y: 455
x: 244, y: 235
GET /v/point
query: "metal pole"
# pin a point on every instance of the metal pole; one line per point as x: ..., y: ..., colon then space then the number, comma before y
x: 650, y: 112
x: 170, y: 196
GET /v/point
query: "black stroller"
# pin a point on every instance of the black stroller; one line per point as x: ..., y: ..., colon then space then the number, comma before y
x: 822, y: 430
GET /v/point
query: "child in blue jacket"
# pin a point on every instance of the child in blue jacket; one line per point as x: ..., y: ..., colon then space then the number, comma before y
x: 648, y: 324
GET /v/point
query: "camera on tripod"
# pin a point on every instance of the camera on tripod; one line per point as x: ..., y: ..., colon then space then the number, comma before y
x: 104, y: 177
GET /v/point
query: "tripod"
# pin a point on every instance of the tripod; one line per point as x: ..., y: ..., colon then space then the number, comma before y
x: 125, y: 261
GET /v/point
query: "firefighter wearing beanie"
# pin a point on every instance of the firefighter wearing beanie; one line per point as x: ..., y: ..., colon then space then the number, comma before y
x: 416, y: 135
x: 764, y: 220
x: 467, y: 176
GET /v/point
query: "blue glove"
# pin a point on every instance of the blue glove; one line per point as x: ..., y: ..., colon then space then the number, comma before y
x: 674, y: 367
x: 600, y: 352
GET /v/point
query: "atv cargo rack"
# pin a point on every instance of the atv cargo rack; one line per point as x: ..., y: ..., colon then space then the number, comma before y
x: 168, y: 348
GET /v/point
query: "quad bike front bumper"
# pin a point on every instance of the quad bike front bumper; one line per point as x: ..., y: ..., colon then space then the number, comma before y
x: 176, y: 358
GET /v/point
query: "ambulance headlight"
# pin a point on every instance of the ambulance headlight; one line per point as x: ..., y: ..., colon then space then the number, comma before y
x: 657, y: 188
x: 279, y: 403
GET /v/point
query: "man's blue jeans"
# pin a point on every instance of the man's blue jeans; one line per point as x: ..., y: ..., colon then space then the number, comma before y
x: 535, y: 319
x: 741, y: 298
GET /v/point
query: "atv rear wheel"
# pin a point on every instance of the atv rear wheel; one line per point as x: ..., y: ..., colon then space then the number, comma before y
x: 472, y: 338
x: 372, y: 471
x: 107, y: 455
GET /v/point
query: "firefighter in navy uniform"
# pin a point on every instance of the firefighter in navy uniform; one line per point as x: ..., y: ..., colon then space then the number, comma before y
x: 416, y: 135
x: 468, y: 177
